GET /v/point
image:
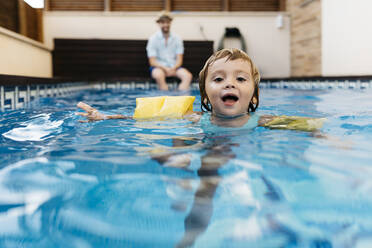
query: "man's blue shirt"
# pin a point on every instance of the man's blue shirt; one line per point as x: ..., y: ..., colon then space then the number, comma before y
x: 165, y: 54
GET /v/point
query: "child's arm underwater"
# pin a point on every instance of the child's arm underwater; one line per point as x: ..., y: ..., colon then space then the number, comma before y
x: 93, y: 114
x: 306, y: 124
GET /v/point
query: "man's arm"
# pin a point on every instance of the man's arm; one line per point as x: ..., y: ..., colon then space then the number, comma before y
x: 179, y: 53
x: 151, y: 54
x: 179, y: 61
x: 153, y: 62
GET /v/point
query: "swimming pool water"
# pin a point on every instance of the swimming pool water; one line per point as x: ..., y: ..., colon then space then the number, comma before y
x: 125, y: 183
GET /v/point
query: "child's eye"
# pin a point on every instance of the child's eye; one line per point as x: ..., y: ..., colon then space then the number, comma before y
x: 241, y: 79
x: 218, y: 79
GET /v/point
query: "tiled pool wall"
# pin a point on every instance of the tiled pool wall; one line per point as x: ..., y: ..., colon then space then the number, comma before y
x: 318, y: 84
x: 14, y: 97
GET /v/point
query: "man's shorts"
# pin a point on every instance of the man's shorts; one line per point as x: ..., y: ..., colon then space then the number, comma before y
x: 153, y: 67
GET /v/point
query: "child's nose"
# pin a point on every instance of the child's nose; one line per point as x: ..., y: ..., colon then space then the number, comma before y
x: 230, y: 84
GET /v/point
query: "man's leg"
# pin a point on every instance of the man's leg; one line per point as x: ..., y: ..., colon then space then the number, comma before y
x: 159, y: 76
x: 185, y: 77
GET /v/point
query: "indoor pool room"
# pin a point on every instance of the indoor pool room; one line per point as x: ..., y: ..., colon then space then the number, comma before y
x: 185, y: 124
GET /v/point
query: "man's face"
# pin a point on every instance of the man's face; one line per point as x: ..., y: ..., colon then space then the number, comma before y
x: 164, y: 25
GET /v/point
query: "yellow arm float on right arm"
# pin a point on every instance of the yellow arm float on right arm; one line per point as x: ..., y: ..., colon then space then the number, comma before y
x: 295, y: 123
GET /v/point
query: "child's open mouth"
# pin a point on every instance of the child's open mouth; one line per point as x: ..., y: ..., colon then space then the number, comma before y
x: 229, y: 99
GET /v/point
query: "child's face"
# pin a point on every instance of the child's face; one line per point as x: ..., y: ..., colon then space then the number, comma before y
x: 229, y: 86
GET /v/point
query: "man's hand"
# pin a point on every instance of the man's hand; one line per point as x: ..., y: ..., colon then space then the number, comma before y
x: 169, y: 72
x: 91, y: 114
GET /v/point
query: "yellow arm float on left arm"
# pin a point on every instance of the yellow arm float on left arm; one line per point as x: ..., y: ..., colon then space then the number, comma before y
x: 163, y: 106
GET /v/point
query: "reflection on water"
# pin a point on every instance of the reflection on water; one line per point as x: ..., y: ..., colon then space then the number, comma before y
x: 36, y: 129
x: 122, y: 183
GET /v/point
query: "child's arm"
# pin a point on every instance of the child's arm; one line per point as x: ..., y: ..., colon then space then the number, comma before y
x: 93, y: 114
x: 311, y: 125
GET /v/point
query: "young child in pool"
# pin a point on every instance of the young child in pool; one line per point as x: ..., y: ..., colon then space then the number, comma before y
x: 228, y: 86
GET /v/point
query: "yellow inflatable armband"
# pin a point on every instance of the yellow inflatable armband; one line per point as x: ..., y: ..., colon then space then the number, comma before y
x: 163, y: 106
x: 295, y: 123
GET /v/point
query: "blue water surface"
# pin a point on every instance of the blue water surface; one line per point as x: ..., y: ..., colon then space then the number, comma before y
x: 126, y: 183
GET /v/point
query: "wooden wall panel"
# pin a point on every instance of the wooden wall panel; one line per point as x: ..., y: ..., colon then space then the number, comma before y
x: 30, y: 21
x: 116, y: 59
x: 197, y: 5
x: 19, y: 17
x: 89, y: 5
x: 9, y: 14
x: 173, y: 5
x: 32, y: 28
x: 254, y: 5
x: 137, y: 5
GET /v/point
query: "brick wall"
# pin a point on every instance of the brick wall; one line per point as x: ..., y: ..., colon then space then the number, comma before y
x: 306, y: 45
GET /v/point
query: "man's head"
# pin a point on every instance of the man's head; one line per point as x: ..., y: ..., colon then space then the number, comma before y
x: 229, y: 63
x: 164, y: 21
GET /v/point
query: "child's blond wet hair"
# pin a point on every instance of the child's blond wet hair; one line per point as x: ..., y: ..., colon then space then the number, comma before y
x: 229, y: 54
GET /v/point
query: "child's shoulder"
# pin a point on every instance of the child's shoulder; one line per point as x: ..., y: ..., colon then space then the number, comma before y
x: 193, y: 116
x: 264, y: 119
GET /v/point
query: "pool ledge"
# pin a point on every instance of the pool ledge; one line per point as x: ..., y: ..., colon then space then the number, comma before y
x: 16, y: 92
x: 24, y: 39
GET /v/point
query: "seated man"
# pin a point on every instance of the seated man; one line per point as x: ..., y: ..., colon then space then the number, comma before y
x: 165, y: 53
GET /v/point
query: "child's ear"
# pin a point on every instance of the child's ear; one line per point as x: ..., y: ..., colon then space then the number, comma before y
x: 254, y: 100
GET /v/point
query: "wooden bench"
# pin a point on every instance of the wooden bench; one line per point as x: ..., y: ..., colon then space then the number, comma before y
x: 95, y: 59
